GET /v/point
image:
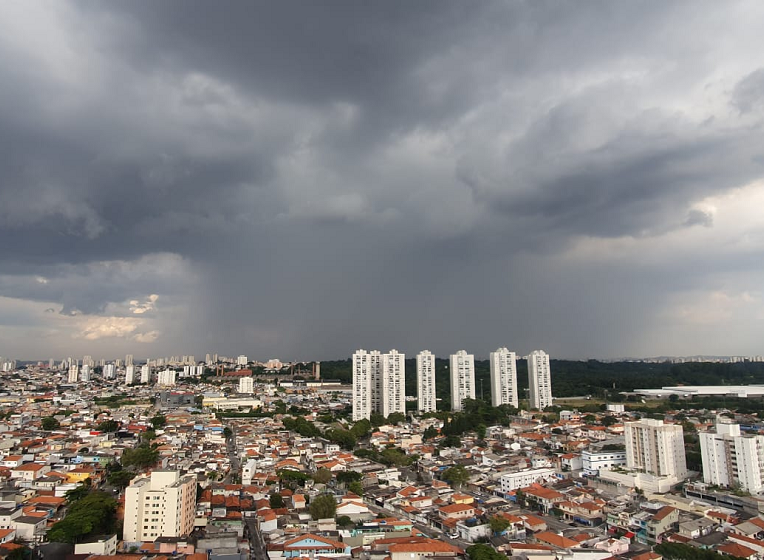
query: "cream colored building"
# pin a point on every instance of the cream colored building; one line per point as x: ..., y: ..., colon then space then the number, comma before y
x: 162, y: 505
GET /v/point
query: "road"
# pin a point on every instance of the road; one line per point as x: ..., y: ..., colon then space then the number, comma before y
x: 233, y: 456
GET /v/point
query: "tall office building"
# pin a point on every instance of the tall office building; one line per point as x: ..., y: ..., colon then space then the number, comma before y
x: 393, y: 375
x: 162, y: 505
x: 74, y: 373
x: 539, y: 380
x: 128, y: 360
x: 145, y: 373
x: 425, y: 381
x: 503, y: 377
x: 655, y: 448
x: 462, y: 378
x: 247, y: 385
x: 85, y: 373
x: 129, y: 375
x: 362, y: 385
x: 731, y: 459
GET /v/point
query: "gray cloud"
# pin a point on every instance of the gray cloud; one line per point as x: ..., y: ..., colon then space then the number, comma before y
x: 299, y: 179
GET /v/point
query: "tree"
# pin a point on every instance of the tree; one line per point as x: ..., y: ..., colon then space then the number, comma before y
x: 292, y: 478
x: 361, y: 429
x: 456, y: 476
x: 429, y: 433
x: 108, y: 426
x: 142, y: 457
x: 49, y: 423
x: 480, y: 431
x: 93, y: 514
x: 484, y: 552
x: 76, y: 494
x: 344, y: 521
x: 322, y: 476
x: 159, y: 421
x: 609, y: 421
x: 227, y: 432
x: 345, y: 477
x: 498, y: 524
x: 276, y: 501
x: 344, y: 437
x: 451, y: 441
x: 120, y: 479
x: 323, y: 507
x: 376, y: 419
x: 355, y: 488
x: 396, y: 418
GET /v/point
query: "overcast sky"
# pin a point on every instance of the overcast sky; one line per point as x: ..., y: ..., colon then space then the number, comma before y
x: 302, y: 179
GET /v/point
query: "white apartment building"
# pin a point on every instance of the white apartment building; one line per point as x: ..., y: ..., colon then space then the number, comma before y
x: 145, y: 373
x: 503, y: 377
x: 733, y: 459
x: 241, y: 360
x: 521, y: 479
x: 425, y: 382
x: 379, y: 383
x: 109, y: 371
x: 74, y: 373
x: 462, y: 378
x: 166, y: 377
x: 539, y: 380
x: 128, y: 360
x: 655, y: 448
x: 393, y: 383
x: 362, y: 384
x: 162, y: 505
x: 595, y: 459
x: 247, y: 385
x: 130, y: 375
x: 85, y: 373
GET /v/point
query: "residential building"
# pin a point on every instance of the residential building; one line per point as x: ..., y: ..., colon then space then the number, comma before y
x: 109, y: 371
x: 166, y: 377
x: 655, y: 448
x: 241, y: 360
x: 425, y: 377
x: 732, y: 459
x: 145, y: 374
x: 503, y: 377
x: 539, y: 380
x: 247, y: 385
x: 393, y: 383
x: 595, y: 459
x: 462, y: 378
x: 363, y: 375
x: 162, y: 505
x: 74, y: 373
x: 129, y: 375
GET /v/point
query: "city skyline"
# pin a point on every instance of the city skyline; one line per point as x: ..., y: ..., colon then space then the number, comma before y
x: 575, y: 177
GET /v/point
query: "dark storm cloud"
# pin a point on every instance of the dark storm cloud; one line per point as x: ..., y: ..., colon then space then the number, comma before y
x: 302, y: 178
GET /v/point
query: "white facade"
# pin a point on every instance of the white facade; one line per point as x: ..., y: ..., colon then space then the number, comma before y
x: 166, y: 377
x: 462, y: 378
x: 109, y: 371
x: 655, y: 448
x: 521, y: 479
x: 425, y: 382
x: 160, y: 506
x: 241, y: 360
x: 85, y: 373
x: 731, y: 459
x: 145, y: 374
x: 129, y: 375
x: 393, y: 383
x: 539, y: 380
x: 362, y: 384
x: 247, y: 385
x: 74, y: 373
x: 593, y: 461
x: 503, y: 377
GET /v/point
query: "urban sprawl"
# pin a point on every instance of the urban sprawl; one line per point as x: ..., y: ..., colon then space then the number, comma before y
x: 236, y: 459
